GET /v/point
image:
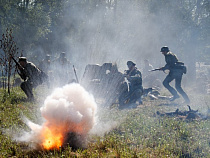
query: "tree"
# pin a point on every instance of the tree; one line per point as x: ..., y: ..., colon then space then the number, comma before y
x: 8, y: 48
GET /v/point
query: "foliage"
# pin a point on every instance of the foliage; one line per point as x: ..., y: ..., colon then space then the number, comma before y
x: 28, y: 21
x: 8, y: 49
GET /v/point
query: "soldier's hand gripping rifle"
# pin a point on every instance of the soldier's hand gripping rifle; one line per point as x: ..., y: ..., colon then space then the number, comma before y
x: 22, y: 72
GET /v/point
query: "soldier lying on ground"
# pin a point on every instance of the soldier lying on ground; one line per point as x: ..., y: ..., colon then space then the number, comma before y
x: 190, y: 114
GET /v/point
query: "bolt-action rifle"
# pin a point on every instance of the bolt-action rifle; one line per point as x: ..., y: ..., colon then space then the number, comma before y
x: 22, y: 72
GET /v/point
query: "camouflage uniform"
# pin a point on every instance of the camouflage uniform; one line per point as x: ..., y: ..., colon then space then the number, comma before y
x: 32, y: 78
x: 133, y: 90
x: 175, y: 73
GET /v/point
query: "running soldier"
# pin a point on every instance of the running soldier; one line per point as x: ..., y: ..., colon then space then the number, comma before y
x: 177, y: 69
x: 45, y: 64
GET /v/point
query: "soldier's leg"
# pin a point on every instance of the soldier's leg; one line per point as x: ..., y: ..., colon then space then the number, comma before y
x: 27, y: 88
x: 166, y: 84
x: 178, y: 81
x: 123, y: 98
x: 137, y: 94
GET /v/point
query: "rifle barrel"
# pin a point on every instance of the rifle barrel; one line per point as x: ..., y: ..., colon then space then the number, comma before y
x: 155, y: 69
x: 75, y: 74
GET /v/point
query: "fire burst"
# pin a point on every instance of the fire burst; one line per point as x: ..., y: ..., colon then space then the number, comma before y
x: 53, y: 139
x: 67, y: 110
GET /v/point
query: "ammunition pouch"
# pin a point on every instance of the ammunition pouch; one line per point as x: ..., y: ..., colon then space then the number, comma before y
x: 180, y: 65
x: 182, y: 68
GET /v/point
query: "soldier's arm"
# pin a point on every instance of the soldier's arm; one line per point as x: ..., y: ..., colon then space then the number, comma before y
x: 137, y: 76
x: 165, y: 67
x: 22, y: 74
x: 32, y: 71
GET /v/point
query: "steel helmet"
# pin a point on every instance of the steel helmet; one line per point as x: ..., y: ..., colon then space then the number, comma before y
x: 164, y: 49
x: 130, y: 63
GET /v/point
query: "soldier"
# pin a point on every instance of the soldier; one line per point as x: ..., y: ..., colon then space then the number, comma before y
x: 134, y: 89
x: 176, y: 69
x: 31, y: 75
x: 63, y: 71
x: 45, y: 64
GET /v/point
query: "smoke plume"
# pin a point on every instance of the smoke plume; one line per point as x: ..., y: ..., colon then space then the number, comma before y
x: 69, y: 114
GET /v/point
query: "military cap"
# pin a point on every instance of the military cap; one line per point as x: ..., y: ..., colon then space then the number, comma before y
x: 130, y: 63
x: 22, y: 59
x: 164, y: 49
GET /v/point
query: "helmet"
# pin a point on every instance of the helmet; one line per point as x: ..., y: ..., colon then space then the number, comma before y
x: 164, y: 49
x: 62, y: 54
x: 47, y: 56
x: 130, y: 63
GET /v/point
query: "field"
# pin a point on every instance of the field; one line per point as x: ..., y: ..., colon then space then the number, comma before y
x: 122, y: 133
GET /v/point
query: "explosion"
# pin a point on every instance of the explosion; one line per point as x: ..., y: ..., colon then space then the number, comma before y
x: 67, y: 110
x: 52, y: 139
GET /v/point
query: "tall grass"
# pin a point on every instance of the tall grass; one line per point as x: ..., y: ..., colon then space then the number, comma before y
x: 139, y: 132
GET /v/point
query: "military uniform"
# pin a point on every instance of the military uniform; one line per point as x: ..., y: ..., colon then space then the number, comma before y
x: 176, y: 72
x: 32, y: 77
x: 45, y: 64
x: 135, y: 79
x: 62, y: 70
x: 134, y: 90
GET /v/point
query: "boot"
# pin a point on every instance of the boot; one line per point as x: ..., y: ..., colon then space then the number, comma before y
x: 174, y: 97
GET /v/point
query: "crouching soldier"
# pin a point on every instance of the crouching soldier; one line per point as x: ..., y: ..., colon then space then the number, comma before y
x: 133, y: 90
x: 31, y: 75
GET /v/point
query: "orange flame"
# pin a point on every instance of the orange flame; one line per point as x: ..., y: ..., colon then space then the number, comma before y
x: 53, y: 138
x: 53, y: 135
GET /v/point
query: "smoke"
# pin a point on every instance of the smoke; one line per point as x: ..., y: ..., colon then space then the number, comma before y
x: 129, y: 32
x: 95, y: 32
x: 69, y: 114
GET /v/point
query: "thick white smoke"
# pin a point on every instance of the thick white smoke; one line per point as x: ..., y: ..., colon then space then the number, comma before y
x: 70, y: 109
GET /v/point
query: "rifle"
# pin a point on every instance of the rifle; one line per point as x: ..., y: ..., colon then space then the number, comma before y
x: 75, y: 73
x: 157, y: 69
x: 22, y: 70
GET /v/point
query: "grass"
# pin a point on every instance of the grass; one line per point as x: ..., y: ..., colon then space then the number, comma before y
x: 138, y: 132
